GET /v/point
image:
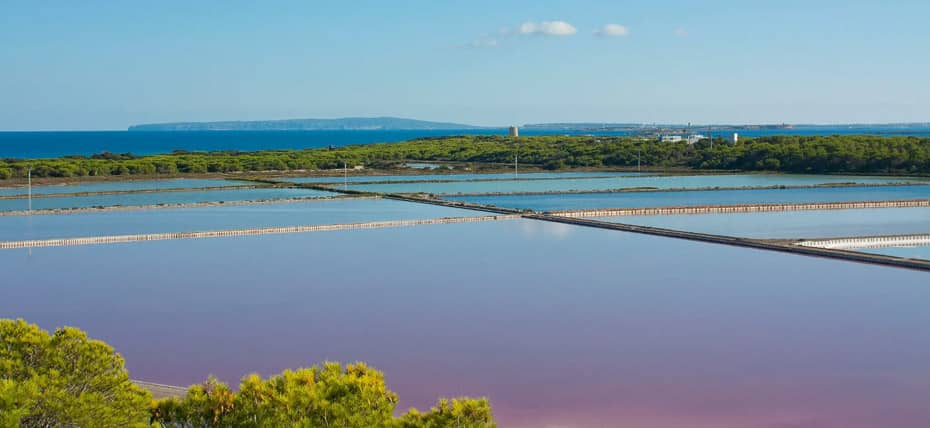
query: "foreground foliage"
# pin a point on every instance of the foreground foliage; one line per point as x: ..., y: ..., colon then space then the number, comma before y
x: 326, y: 396
x: 816, y: 154
x: 65, y: 379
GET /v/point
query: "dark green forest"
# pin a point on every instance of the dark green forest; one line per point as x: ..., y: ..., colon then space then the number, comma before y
x: 809, y: 154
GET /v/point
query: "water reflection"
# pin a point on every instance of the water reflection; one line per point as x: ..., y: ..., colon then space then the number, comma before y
x: 538, y: 229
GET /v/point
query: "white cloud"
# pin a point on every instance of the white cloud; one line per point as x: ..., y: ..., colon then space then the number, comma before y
x: 613, y: 30
x: 548, y: 28
x: 681, y: 32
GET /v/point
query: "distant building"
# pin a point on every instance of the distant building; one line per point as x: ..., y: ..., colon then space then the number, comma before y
x: 694, y: 138
x: 513, y: 131
x: 735, y: 138
x: 670, y: 138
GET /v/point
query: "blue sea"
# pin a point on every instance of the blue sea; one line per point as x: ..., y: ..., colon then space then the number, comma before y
x: 54, y: 144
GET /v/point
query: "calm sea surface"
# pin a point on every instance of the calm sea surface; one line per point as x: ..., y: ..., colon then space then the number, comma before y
x: 54, y: 144
x: 794, y: 224
x: 154, y: 198
x: 690, y: 198
x: 586, y: 184
x: 558, y: 325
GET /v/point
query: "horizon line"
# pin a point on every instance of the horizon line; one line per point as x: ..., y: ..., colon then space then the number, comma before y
x: 645, y: 124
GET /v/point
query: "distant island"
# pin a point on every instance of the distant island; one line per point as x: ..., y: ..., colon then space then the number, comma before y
x: 341, y: 124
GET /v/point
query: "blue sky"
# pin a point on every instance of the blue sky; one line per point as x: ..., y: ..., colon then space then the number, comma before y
x: 109, y: 64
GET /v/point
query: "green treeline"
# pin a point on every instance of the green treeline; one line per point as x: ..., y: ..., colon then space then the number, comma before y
x: 65, y: 379
x: 815, y: 154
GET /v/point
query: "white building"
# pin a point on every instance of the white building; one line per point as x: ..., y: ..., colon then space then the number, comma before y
x: 694, y: 138
x: 513, y: 131
x: 670, y: 138
x: 735, y: 138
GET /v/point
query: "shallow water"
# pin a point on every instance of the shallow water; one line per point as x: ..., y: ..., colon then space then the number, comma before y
x: 794, y: 224
x: 217, y: 218
x: 558, y: 325
x: 692, y: 198
x: 110, y: 186
x: 457, y: 177
x: 920, y: 252
x: 154, y: 198
x: 659, y: 182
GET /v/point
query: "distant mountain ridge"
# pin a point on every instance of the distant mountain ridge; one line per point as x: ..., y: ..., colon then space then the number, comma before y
x: 340, y: 124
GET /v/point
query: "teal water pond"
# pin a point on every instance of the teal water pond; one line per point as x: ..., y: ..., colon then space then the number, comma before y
x: 13, y: 228
x: 155, y: 198
x: 579, y: 201
x: 794, y: 224
x: 457, y: 177
x: 112, y: 186
x: 621, y: 182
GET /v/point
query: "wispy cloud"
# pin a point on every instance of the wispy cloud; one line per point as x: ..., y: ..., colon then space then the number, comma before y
x: 613, y: 30
x: 681, y: 32
x: 483, y: 43
x: 529, y: 28
x: 547, y: 28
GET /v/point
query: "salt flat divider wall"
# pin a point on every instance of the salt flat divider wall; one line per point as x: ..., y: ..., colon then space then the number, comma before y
x: 160, y: 391
x: 93, y: 240
x: 741, y: 208
x: 852, y: 243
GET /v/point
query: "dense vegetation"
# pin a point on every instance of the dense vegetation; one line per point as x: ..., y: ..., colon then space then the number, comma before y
x: 67, y: 380
x: 64, y: 379
x: 817, y: 154
x: 326, y: 396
